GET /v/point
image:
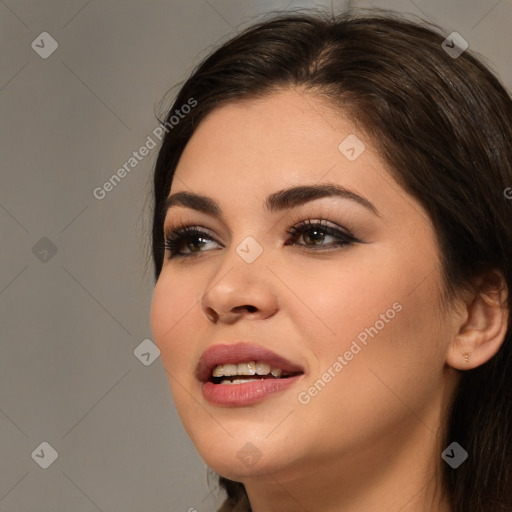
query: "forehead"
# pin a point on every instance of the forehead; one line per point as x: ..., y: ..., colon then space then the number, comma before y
x: 286, y: 136
x: 244, y: 151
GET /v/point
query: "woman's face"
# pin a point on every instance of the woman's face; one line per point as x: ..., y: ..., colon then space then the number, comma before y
x: 358, y: 323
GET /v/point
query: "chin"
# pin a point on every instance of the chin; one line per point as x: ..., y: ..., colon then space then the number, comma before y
x: 248, y: 454
x: 241, y: 470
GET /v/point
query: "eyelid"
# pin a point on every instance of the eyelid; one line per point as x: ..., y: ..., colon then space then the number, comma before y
x: 323, y: 216
x: 172, y: 227
x: 337, y: 232
x: 295, y: 216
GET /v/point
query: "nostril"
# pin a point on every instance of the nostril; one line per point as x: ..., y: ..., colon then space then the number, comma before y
x: 211, y: 314
x: 248, y: 307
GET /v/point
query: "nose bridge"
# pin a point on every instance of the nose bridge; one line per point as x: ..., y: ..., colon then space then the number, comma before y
x: 238, y: 282
x: 246, y: 251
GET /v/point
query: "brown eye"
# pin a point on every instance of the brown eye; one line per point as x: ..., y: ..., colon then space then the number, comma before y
x: 187, y: 237
x: 314, y: 233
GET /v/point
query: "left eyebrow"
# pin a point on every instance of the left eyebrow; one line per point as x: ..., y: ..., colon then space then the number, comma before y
x: 278, y: 201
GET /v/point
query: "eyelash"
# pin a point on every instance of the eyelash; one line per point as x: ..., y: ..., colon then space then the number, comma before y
x: 176, y: 235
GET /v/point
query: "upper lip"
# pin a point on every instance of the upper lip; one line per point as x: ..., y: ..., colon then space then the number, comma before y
x: 240, y: 352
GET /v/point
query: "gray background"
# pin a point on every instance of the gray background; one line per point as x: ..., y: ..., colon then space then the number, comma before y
x: 70, y: 321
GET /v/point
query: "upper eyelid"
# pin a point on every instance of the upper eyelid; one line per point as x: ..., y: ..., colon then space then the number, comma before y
x: 184, y: 224
x: 184, y: 227
x: 299, y: 214
x: 327, y: 202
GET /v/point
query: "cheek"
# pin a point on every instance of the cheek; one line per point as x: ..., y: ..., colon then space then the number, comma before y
x: 343, y: 300
x: 392, y: 353
x: 378, y: 317
x: 172, y: 313
x: 172, y: 302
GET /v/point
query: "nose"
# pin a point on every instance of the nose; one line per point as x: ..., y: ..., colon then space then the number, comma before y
x: 240, y: 290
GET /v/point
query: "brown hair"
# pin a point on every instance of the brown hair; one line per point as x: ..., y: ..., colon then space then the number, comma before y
x: 444, y: 126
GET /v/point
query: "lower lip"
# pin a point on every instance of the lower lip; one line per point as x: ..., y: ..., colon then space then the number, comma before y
x: 245, y: 394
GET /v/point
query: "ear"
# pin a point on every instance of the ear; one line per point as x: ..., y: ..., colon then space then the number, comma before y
x: 481, y: 328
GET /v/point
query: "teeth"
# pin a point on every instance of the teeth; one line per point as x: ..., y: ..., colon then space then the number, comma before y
x: 262, y: 368
x: 218, y: 371
x: 225, y: 370
x: 249, y: 368
x: 236, y: 381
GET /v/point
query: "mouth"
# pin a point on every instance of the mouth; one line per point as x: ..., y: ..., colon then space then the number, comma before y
x: 241, y: 373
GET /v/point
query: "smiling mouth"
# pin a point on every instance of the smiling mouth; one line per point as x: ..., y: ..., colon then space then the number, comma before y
x: 242, y: 373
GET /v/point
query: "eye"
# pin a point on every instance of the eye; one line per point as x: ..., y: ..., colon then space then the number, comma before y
x: 314, y: 234
x: 188, y: 241
x: 189, y: 236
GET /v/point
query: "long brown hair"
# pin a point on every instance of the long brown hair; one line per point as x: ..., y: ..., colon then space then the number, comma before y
x: 444, y: 126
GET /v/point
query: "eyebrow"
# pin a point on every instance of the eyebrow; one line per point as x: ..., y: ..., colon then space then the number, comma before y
x: 278, y: 201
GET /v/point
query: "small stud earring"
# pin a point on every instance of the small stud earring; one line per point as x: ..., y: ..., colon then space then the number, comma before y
x: 466, y: 358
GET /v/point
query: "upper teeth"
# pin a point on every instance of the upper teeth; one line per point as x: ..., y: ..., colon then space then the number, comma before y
x: 250, y: 368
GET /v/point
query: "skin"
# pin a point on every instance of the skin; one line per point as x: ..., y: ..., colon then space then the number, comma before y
x: 369, y: 440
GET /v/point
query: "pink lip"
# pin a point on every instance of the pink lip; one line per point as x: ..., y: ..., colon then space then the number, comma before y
x: 245, y: 394
x: 251, y: 392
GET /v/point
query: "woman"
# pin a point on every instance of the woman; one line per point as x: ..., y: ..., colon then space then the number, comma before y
x: 332, y: 243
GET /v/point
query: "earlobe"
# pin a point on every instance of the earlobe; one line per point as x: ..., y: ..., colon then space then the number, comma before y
x: 482, y: 330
